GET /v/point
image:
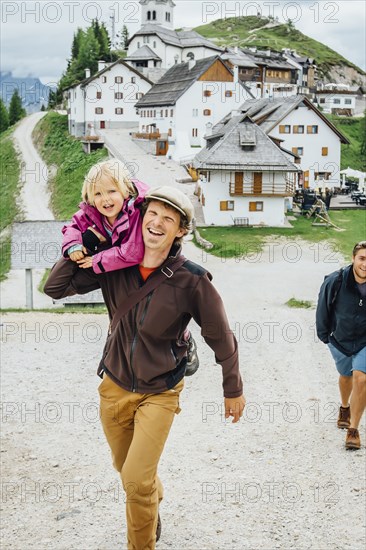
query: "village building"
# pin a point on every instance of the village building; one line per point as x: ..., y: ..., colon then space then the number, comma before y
x: 278, y: 78
x: 245, y: 178
x: 190, y: 98
x: 300, y: 127
x: 156, y: 46
x: 306, y: 70
x: 338, y: 99
x: 106, y: 99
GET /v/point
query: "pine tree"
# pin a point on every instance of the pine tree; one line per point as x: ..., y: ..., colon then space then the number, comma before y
x: 124, y: 37
x: 102, y: 36
x: 76, y: 43
x: 89, y: 53
x: 4, y: 117
x: 16, y: 111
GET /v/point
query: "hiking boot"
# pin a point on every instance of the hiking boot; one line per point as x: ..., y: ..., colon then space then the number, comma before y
x: 344, y: 417
x: 192, y: 357
x: 353, y: 439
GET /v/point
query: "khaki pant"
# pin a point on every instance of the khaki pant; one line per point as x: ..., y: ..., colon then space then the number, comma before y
x: 136, y: 427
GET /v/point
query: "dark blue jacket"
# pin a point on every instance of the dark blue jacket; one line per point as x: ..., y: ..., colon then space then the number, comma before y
x: 342, y: 323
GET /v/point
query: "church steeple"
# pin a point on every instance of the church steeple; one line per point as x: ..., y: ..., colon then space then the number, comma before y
x: 158, y: 12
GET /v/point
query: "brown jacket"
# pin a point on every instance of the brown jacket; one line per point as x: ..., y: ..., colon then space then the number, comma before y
x: 146, y: 353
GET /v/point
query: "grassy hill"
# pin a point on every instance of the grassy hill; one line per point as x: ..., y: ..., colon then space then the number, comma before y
x: 10, y: 188
x: 251, y: 31
x: 353, y: 129
x: 65, y: 153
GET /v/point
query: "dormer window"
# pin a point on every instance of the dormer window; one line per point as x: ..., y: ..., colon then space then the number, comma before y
x: 190, y: 55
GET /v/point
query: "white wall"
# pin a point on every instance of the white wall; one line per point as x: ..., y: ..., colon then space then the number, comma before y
x: 331, y: 101
x: 217, y: 189
x: 160, y: 9
x: 312, y: 158
x: 85, y: 108
x: 217, y: 103
x: 76, y: 115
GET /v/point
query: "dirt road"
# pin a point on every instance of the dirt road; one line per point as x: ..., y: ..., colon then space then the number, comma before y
x: 280, y: 479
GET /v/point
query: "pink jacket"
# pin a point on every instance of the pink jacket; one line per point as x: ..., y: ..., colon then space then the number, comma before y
x: 127, y: 244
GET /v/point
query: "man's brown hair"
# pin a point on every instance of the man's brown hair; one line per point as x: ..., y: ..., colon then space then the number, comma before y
x: 357, y: 247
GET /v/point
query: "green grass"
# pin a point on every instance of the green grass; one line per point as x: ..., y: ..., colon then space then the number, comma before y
x: 350, y: 154
x: 299, y: 304
x: 235, y: 31
x: 236, y: 242
x: 10, y: 187
x: 58, y: 148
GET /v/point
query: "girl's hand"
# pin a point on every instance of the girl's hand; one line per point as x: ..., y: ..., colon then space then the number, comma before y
x: 86, y: 262
x: 77, y: 255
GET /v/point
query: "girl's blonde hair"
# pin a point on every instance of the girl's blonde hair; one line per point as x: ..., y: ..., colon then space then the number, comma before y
x: 114, y: 169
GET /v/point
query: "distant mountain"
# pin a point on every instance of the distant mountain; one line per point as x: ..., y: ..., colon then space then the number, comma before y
x: 267, y: 33
x: 34, y: 94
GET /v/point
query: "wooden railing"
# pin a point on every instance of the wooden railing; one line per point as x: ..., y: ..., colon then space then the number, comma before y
x: 140, y: 135
x: 272, y: 189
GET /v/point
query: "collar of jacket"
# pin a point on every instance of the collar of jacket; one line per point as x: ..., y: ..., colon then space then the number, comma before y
x: 350, y: 277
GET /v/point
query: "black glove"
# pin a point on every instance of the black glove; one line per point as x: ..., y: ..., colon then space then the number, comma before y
x: 90, y: 241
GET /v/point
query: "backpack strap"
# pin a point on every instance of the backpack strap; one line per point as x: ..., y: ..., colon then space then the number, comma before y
x: 165, y: 272
x: 336, y: 287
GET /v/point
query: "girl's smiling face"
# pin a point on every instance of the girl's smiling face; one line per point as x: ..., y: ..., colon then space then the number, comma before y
x: 108, y: 199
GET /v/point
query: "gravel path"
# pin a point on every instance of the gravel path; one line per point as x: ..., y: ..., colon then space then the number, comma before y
x: 34, y: 199
x: 278, y: 479
x: 35, y: 194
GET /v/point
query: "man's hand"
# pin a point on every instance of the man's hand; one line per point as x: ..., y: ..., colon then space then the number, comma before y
x: 86, y: 262
x: 234, y: 406
x: 78, y: 254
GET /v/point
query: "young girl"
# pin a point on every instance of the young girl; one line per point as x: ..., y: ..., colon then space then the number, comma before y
x: 109, y: 215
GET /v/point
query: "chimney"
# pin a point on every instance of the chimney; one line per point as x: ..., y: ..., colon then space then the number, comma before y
x: 87, y: 73
x: 191, y: 64
x: 236, y: 74
x: 236, y: 49
x: 208, y: 129
x: 101, y: 65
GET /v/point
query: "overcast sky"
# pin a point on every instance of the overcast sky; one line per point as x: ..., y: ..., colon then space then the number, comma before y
x: 36, y: 37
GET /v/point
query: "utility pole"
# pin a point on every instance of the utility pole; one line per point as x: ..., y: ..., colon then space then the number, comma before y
x: 113, y: 34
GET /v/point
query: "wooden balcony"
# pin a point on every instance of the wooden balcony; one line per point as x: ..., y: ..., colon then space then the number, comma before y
x: 248, y: 189
x: 144, y: 135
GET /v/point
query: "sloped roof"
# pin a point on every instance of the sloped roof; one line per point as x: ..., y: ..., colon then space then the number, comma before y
x: 274, y: 110
x: 86, y: 81
x: 181, y: 39
x: 239, y: 58
x: 143, y: 2
x: 188, y: 39
x: 226, y: 152
x: 143, y: 53
x: 175, y: 82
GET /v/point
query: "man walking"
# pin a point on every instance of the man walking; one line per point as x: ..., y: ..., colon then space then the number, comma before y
x: 341, y: 323
x: 145, y: 356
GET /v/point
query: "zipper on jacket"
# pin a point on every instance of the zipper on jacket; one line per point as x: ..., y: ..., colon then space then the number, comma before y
x: 360, y: 303
x: 135, y: 338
